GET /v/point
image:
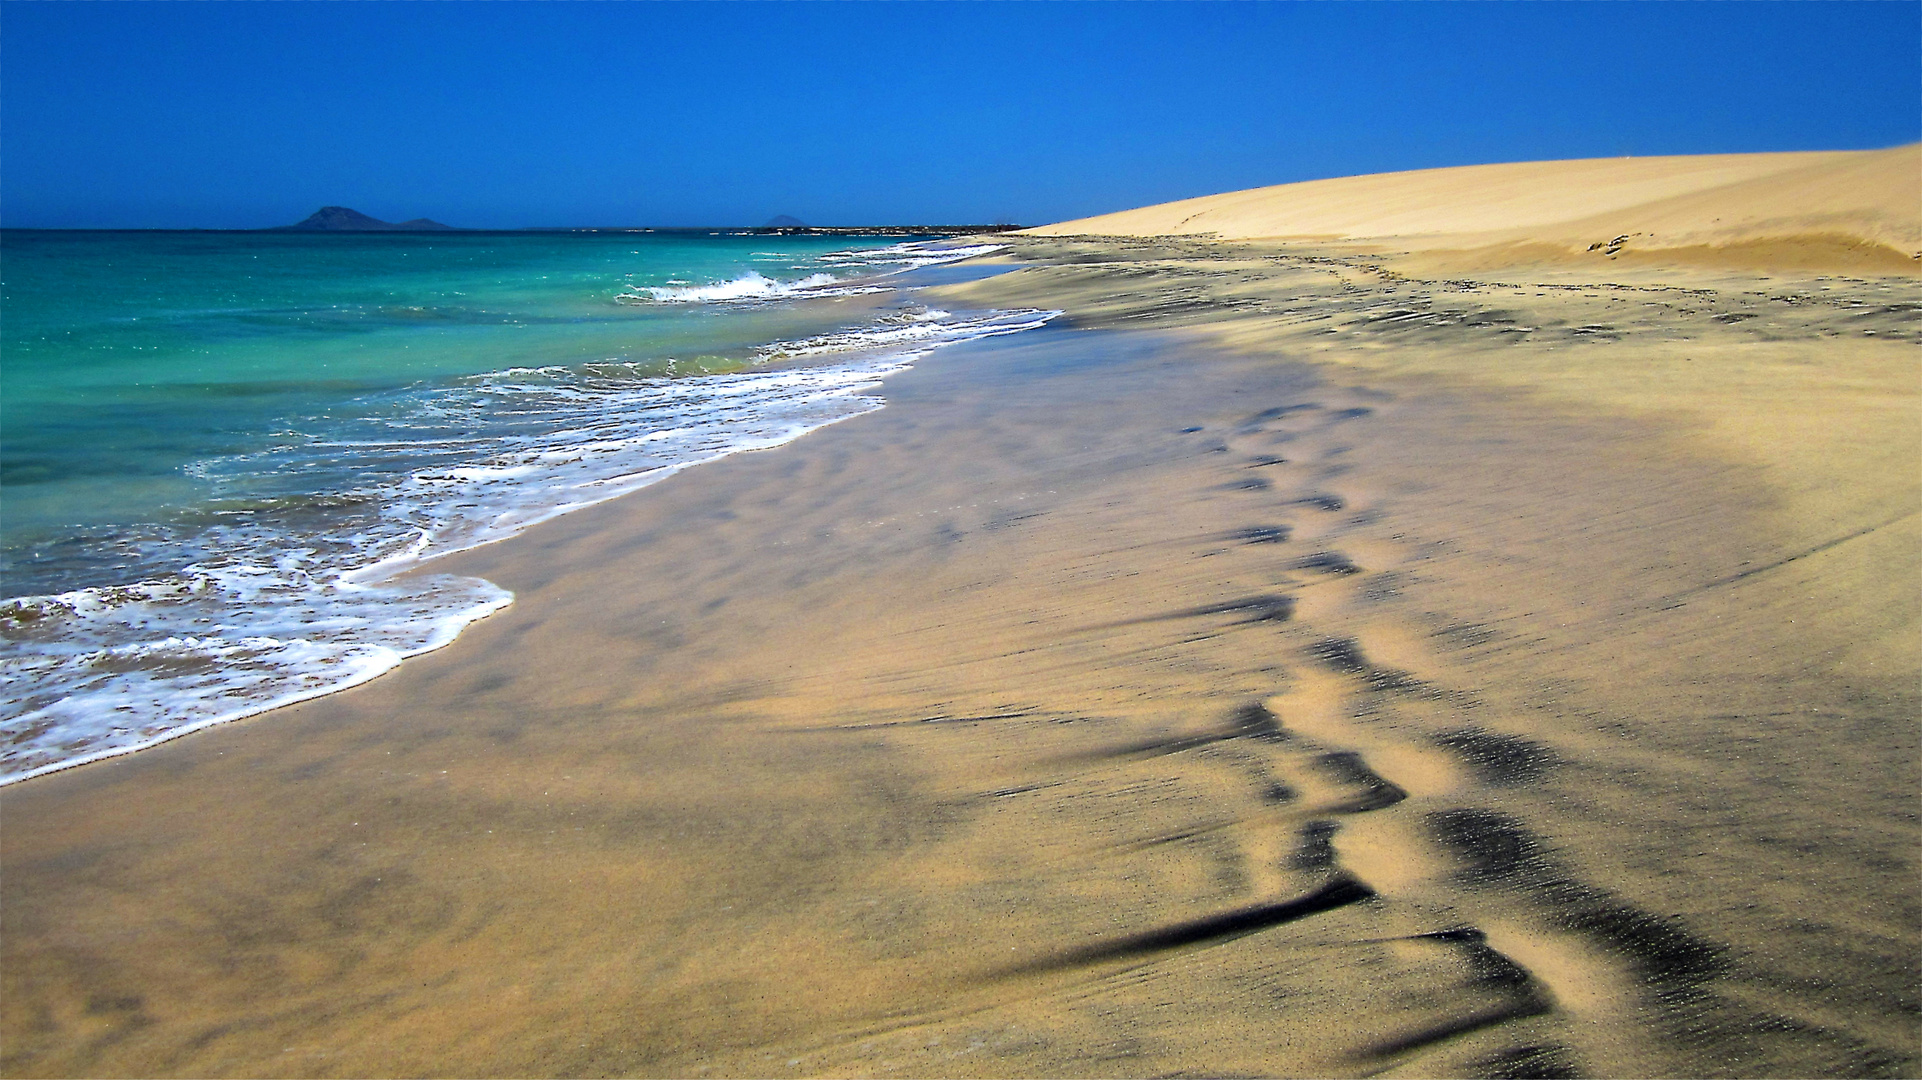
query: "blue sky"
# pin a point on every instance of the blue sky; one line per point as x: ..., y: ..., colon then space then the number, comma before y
x: 504, y: 115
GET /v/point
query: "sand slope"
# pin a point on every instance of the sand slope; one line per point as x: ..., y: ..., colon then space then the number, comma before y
x: 1851, y: 207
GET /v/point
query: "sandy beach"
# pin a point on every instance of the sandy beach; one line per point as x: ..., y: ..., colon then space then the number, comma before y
x: 1445, y: 624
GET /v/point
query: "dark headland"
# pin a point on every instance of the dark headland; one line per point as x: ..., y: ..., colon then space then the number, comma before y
x: 342, y: 219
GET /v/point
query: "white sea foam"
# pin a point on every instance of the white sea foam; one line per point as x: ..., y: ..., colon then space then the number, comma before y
x: 103, y: 672
x: 918, y: 253
x: 749, y: 286
x: 269, y: 614
x: 864, y: 271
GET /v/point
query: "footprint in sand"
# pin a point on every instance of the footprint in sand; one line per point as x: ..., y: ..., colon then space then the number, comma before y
x: 1347, y: 805
x: 1346, y: 847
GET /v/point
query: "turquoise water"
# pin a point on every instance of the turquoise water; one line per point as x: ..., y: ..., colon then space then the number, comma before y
x: 217, y: 449
x: 131, y: 355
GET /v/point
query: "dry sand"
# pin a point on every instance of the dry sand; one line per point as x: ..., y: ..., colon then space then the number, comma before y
x: 1295, y: 662
x: 1822, y: 210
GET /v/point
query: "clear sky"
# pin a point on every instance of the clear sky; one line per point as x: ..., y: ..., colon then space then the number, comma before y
x: 514, y: 114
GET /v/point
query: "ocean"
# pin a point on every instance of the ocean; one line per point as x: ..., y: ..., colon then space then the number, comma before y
x: 220, y: 452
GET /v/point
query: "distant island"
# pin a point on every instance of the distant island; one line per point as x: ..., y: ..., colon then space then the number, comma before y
x: 342, y: 219
x: 345, y: 219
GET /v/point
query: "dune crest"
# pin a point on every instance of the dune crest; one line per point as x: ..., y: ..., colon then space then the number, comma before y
x: 1806, y: 209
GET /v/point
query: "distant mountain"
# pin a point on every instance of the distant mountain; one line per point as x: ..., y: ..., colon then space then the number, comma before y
x: 786, y: 222
x: 341, y: 219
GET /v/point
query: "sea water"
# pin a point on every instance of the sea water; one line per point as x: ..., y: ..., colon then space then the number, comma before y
x: 220, y: 451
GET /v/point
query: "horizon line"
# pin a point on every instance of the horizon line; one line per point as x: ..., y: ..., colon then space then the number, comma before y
x: 756, y: 229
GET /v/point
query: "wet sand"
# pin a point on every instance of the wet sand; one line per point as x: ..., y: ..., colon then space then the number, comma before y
x: 1286, y: 664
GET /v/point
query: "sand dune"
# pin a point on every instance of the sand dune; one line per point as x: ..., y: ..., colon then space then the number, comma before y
x: 1800, y: 209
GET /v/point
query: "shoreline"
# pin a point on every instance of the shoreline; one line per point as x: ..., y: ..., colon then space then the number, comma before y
x: 1106, y: 688
x: 816, y: 379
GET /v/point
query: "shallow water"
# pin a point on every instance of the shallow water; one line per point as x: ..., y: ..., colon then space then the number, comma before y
x: 220, y: 448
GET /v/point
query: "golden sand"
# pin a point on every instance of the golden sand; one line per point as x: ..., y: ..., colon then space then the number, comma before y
x: 1821, y: 210
x: 1291, y: 663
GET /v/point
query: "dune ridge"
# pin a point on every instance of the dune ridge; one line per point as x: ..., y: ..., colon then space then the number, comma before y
x: 1805, y: 209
